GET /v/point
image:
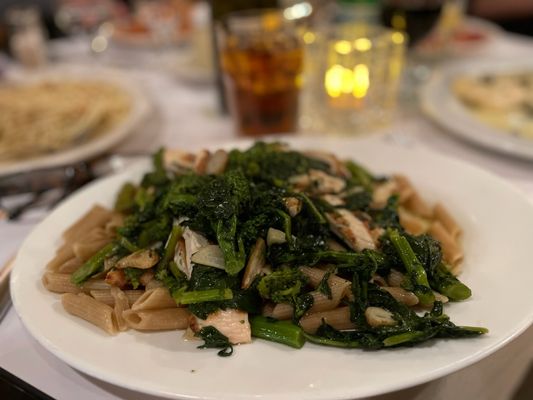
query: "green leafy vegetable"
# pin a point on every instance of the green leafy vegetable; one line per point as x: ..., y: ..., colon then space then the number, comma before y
x: 213, y: 339
x: 133, y: 275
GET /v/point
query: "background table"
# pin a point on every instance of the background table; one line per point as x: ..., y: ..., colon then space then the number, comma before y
x: 186, y: 116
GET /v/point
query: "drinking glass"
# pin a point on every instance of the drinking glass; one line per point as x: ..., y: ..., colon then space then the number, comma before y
x: 261, y: 58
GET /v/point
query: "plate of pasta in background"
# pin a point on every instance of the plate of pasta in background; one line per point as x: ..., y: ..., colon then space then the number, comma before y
x: 486, y: 103
x: 214, y: 274
x: 65, y: 114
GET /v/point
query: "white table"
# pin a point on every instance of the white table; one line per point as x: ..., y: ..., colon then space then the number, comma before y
x: 187, y: 118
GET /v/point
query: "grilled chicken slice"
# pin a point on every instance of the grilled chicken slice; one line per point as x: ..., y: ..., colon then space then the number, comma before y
x: 336, y: 166
x: 350, y: 229
x: 318, y: 182
x: 333, y: 200
x: 231, y: 323
x: 176, y: 160
x: 382, y: 192
x: 217, y: 163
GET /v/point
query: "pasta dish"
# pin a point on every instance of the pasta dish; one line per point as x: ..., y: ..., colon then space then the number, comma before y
x: 268, y: 242
x: 503, y: 101
x: 49, y: 116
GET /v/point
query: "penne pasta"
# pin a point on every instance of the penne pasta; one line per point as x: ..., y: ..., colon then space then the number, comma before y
x: 104, y: 296
x: 400, y: 294
x: 382, y: 192
x: 444, y: 217
x: 404, y: 188
x: 70, y: 266
x: 451, y: 251
x: 321, y: 302
x: 59, y: 283
x: 87, y: 308
x: 63, y: 254
x: 418, y: 206
x: 97, y: 216
x: 95, y: 284
x: 154, y: 299
x: 115, y: 221
x: 163, y: 319
x: 338, y: 318
x: 87, y: 245
x: 412, y: 223
x: 154, y: 283
x: 316, y: 275
x: 121, y: 305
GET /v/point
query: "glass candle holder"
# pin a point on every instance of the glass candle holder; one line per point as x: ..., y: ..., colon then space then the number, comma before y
x: 351, y: 78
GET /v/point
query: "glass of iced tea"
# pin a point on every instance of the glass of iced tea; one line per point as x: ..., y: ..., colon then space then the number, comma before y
x: 261, y: 60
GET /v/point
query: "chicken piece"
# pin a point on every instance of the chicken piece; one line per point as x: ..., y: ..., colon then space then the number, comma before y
x: 351, y: 229
x: 377, y: 316
x: 176, y: 160
x: 336, y: 166
x: 231, y: 323
x: 217, y: 163
x: 382, y: 192
x: 333, y: 200
x: 116, y: 278
x: 318, y: 182
x: 200, y: 161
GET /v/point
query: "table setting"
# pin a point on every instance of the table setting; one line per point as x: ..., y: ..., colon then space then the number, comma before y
x: 138, y: 103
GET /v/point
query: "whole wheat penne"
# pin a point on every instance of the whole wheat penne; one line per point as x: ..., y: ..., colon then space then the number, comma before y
x: 154, y: 299
x: 163, y: 319
x: 154, y: 283
x: 70, y: 266
x: 63, y: 254
x: 444, y: 217
x: 418, y: 206
x: 382, y: 192
x: 104, y: 296
x: 321, y: 302
x: 451, y: 251
x: 338, y: 318
x: 316, y: 275
x: 94, y: 284
x: 59, y: 283
x: 403, y: 296
x: 96, y: 216
x: 412, y: 223
x: 87, y: 308
x: 89, y: 244
x: 395, y: 278
x: 116, y: 220
x: 121, y: 305
x: 404, y: 188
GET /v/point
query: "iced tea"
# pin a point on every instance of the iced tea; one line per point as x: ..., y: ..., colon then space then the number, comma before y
x: 262, y: 65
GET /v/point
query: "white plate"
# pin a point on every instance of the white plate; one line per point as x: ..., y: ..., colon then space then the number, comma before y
x: 140, y: 109
x: 440, y: 104
x: 497, y: 268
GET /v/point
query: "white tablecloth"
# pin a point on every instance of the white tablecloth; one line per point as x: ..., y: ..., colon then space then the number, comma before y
x: 186, y: 116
